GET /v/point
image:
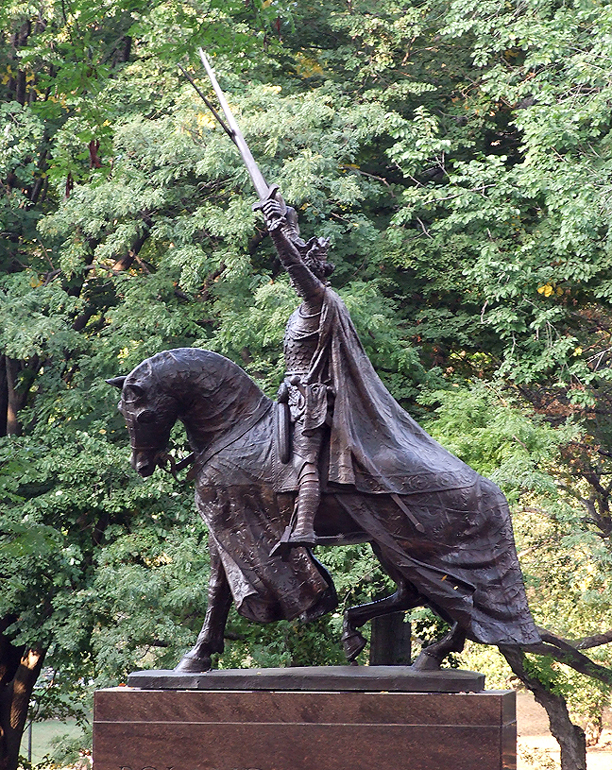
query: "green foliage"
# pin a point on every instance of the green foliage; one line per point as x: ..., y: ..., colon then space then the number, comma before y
x: 488, y: 430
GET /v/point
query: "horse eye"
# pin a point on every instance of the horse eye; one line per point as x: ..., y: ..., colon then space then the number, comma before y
x: 145, y: 417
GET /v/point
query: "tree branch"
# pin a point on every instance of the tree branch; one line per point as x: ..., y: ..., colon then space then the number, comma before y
x: 209, y: 280
x: 567, y: 654
x: 570, y: 737
x: 585, y: 643
x: 125, y: 262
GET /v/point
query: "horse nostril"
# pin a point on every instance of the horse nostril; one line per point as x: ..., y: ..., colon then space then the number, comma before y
x: 144, y: 466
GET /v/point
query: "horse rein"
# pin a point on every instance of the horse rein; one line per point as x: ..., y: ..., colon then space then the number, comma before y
x: 162, y: 458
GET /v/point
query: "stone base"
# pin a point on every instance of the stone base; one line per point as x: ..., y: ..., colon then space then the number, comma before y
x: 318, y: 678
x: 138, y: 729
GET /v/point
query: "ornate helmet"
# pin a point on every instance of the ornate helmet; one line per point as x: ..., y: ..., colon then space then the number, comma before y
x: 313, y: 252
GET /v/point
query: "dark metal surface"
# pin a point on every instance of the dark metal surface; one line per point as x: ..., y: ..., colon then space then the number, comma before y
x: 464, y: 564
x: 315, y: 678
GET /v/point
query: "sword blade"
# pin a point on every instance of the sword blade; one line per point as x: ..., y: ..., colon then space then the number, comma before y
x: 262, y: 188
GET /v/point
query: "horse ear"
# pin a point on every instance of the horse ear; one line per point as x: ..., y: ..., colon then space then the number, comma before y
x: 117, y: 381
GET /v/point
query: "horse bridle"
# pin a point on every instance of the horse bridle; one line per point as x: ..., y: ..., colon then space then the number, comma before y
x: 163, y: 458
x: 175, y: 467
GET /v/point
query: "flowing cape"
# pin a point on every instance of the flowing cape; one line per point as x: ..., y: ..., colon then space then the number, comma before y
x: 375, y: 444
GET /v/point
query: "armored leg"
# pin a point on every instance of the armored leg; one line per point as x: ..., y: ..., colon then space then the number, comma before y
x: 307, y: 446
x: 308, y: 499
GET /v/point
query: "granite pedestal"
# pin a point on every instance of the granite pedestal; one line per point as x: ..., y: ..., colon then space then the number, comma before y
x: 370, y: 718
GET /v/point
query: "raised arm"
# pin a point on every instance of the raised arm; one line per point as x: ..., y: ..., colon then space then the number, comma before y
x: 281, y: 222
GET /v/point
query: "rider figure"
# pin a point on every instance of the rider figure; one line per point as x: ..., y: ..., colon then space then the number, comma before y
x: 307, y: 377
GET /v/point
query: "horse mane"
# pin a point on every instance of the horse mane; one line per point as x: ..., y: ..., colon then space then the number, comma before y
x: 170, y: 370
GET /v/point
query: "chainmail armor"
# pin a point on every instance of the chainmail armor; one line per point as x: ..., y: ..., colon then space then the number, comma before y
x: 301, y: 340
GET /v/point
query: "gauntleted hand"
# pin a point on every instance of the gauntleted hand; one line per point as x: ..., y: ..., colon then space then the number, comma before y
x: 274, y: 212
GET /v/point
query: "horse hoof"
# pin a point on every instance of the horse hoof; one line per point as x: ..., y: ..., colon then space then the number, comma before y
x: 426, y: 662
x: 352, y: 644
x: 189, y: 664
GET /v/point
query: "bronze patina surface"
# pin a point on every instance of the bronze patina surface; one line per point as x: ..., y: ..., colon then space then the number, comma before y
x: 314, y: 678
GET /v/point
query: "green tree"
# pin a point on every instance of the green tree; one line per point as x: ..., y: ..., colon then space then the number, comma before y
x: 69, y: 79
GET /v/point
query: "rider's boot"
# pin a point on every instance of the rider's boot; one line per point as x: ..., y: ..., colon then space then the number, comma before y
x: 307, y: 504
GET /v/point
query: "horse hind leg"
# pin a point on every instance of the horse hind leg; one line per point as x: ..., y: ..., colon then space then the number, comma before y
x: 210, y: 638
x: 431, y: 657
x: 403, y: 599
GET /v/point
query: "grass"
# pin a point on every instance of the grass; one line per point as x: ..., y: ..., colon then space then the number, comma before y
x: 43, y: 734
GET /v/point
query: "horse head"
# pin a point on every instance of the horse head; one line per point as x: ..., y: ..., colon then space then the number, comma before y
x: 149, y: 412
x: 206, y: 391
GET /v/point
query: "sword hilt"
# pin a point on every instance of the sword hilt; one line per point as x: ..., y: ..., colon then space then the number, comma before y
x: 275, y: 222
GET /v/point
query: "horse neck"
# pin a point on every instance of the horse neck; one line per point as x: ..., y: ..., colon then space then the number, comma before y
x: 211, y: 411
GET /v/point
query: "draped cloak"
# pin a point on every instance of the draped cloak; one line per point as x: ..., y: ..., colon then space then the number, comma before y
x: 374, y: 444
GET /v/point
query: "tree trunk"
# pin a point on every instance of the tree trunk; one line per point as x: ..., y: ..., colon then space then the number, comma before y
x: 16, y: 399
x: 20, y: 377
x: 19, y: 670
x: 390, y: 642
x: 3, y: 395
x: 18, y: 84
x: 570, y: 737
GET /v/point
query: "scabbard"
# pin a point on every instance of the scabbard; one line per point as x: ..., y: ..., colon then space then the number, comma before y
x: 283, y: 432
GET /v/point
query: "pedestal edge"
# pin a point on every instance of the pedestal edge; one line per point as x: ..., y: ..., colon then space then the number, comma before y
x: 314, y: 678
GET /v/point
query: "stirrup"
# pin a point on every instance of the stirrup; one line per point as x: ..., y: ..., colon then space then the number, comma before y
x: 307, y: 540
x: 290, y: 540
x: 282, y: 547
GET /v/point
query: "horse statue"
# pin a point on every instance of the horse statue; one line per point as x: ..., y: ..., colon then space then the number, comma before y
x: 444, y: 536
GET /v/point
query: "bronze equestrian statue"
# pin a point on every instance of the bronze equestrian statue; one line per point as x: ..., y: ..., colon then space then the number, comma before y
x: 334, y: 460
x: 460, y: 561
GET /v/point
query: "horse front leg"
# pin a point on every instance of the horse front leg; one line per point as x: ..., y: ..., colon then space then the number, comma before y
x: 210, y: 638
x: 403, y: 599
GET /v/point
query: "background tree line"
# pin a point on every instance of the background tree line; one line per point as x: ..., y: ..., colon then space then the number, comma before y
x: 458, y: 154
